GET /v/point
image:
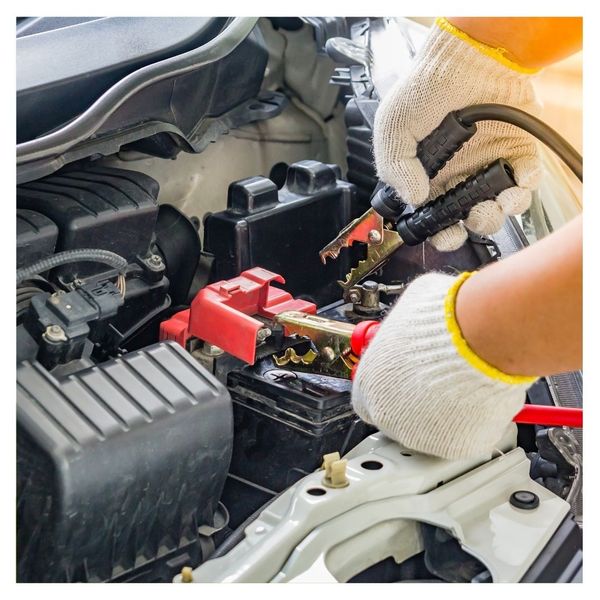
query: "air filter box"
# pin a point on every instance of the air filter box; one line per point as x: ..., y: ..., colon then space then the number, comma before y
x: 36, y: 237
x: 118, y: 465
x: 95, y: 207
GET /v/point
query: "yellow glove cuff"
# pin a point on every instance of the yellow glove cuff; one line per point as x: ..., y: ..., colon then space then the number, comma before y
x: 463, y: 347
x: 498, y: 54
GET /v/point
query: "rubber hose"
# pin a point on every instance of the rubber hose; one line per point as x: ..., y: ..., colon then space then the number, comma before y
x: 537, y: 128
x: 71, y: 256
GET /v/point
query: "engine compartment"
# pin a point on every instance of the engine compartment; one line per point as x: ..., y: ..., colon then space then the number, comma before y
x: 159, y: 441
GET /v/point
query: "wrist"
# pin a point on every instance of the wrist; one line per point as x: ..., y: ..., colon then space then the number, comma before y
x: 466, y: 342
x: 498, y: 53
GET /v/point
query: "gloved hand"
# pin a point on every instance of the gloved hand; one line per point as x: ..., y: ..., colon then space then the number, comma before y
x: 420, y: 383
x: 453, y: 71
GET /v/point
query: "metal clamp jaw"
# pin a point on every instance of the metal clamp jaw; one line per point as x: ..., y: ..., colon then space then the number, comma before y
x: 337, y: 344
x: 332, y: 354
x: 414, y: 228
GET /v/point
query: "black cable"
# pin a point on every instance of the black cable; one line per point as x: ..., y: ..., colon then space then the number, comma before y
x: 537, y: 128
x: 27, y: 292
x: 25, y: 297
x: 71, y: 256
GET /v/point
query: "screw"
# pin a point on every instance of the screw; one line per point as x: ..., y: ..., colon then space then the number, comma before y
x: 374, y: 236
x: 55, y: 333
x: 155, y: 261
x: 328, y: 353
x: 354, y: 296
x: 263, y: 334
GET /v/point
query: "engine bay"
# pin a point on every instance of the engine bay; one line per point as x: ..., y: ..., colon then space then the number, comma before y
x: 162, y: 405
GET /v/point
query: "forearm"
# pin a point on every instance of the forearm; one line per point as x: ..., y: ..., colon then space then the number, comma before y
x: 523, y: 315
x: 532, y: 42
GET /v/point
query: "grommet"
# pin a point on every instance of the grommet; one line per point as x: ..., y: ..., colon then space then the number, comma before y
x: 525, y: 500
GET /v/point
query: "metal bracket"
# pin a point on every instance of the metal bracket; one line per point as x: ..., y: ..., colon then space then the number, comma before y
x: 313, y: 533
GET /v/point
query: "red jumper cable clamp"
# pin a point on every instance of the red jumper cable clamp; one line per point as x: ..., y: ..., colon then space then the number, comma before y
x: 222, y: 313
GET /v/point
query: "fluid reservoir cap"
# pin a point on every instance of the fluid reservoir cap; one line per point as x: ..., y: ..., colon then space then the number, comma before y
x: 525, y: 500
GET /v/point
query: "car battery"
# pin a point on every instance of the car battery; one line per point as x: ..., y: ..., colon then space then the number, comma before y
x: 284, y: 422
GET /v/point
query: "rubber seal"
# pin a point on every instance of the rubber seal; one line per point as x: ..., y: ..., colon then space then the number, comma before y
x: 524, y: 499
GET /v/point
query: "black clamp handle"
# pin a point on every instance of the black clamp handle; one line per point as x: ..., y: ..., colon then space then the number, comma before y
x: 434, y: 151
x: 455, y: 204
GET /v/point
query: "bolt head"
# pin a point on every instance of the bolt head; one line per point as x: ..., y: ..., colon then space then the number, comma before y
x: 374, y: 236
x: 55, y: 333
x: 211, y: 350
x: 328, y: 353
x: 155, y: 262
x: 263, y: 334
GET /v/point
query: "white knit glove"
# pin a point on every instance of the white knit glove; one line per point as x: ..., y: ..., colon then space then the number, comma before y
x: 420, y: 383
x: 453, y: 71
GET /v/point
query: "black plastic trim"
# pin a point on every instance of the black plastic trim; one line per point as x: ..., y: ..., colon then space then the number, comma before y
x: 561, y: 559
x: 96, y: 115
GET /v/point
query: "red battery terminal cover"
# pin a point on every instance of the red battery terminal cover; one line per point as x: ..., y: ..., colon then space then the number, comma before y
x: 222, y: 313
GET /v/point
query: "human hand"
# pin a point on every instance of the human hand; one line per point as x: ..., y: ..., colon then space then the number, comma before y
x: 453, y: 71
x: 420, y: 383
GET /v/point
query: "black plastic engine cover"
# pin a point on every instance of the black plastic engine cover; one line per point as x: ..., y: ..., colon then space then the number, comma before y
x: 36, y: 237
x: 283, y: 231
x: 118, y: 464
x: 96, y: 207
